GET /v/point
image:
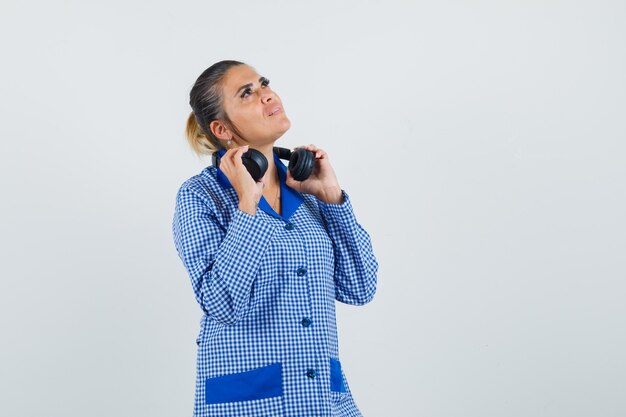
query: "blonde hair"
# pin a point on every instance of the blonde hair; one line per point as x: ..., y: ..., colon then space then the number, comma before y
x: 199, y: 140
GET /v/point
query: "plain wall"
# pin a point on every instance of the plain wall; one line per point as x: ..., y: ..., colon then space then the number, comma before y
x: 482, y: 144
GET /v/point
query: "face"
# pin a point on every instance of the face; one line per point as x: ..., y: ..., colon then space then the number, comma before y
x: 252, y: 106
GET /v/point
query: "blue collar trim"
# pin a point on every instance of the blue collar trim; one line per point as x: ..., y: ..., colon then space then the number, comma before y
x: 221, y: 178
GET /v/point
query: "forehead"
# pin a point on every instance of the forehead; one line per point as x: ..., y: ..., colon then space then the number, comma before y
x: 238, y: 76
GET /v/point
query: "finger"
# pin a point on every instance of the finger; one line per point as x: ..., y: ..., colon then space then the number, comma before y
x: 230, y: 153
x: 319, y: 153
x: 242, y: 149
x: 234, y: 149
x: 292, y: 182
x: 294, y: 185
x: 310, y: 147
x: 239, y: 153
x: 232, y: 159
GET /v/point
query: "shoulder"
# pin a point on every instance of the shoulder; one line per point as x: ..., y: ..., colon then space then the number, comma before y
x: 206, y: 190
x: 203, y: 184
x: 204, y: 180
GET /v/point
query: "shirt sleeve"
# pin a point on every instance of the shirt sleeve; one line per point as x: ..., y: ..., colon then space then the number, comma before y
x: 222, y: 264
x: 355, y: 264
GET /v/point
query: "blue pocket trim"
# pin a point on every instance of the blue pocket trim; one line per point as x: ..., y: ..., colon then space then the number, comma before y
x: 336, y: 376
x: 256, y: 384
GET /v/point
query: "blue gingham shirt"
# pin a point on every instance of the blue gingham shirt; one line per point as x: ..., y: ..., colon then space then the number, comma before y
x: 267, y: 285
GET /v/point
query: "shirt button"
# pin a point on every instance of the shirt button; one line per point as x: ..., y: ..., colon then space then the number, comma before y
x: 311, y: 373
x: 306, y: 322
x: 289, y: 226
x: 301, y: 271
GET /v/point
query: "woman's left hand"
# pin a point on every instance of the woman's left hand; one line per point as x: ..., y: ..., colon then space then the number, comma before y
x: 322, y: 182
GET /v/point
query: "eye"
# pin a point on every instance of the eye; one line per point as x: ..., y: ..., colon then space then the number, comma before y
x: 248, y: 90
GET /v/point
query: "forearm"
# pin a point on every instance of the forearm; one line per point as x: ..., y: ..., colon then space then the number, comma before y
x: 355, y: 264
x: 221, y: 263
x: 227, y: 284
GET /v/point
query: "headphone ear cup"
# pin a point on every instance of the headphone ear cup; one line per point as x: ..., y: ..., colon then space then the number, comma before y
x: 255, y: 162
x: 301, y: 164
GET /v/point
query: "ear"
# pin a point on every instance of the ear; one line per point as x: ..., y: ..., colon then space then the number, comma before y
x: 220, y: 130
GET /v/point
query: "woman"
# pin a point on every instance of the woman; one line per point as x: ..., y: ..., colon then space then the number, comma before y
x: 266, y: 259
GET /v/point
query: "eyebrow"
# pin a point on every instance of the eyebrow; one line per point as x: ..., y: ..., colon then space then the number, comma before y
x: 248, y: 85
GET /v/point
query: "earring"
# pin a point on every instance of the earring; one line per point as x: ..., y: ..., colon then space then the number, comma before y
x: 228, y: 142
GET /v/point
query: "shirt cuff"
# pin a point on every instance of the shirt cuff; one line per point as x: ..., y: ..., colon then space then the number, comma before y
x: 337, y: 210
x: 251, y: 226
x: 243, y: 246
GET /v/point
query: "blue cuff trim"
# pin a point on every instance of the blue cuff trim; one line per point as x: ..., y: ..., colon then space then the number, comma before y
x: 336, y: 376
x: 258, y: 383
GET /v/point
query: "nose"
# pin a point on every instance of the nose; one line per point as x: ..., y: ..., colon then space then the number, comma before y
x: 266, y: 97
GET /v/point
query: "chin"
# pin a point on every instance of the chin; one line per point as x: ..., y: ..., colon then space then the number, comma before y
x: 286, y: 125
x: 275, y: 132
x: 278, y: 136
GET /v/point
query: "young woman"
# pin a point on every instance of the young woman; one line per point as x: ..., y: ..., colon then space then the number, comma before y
x: 267, y: 259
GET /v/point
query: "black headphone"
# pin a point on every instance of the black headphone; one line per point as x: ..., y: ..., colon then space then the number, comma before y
x: 301, y: 162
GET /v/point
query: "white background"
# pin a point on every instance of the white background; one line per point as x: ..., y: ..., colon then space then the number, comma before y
x: 482, y: 144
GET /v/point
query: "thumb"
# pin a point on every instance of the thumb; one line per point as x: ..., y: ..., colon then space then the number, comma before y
x: 290, y: 181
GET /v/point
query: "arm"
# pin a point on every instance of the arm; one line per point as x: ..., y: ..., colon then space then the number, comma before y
x: 355, y: 263
x: 222, y: 264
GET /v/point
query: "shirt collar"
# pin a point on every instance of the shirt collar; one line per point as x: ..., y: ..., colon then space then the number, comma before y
x: 290, y: 198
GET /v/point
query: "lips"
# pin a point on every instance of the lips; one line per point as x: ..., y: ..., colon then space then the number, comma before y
x: 275, y: 110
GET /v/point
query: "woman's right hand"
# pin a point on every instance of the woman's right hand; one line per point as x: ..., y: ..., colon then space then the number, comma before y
x: 247, y: 189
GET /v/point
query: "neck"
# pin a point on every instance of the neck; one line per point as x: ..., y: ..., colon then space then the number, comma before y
x: 271, y: 176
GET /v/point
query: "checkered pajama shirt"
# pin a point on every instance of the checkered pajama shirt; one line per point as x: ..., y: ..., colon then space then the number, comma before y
x: 267, y: 286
